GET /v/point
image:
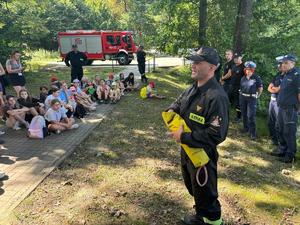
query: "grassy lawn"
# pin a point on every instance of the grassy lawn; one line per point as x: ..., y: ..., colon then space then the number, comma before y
x: 128, y: 172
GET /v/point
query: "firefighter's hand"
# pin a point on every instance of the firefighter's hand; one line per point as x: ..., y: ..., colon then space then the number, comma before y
x: 176, y: 134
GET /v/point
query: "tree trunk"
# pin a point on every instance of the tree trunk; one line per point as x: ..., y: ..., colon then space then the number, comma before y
x: 242, y: 28
x: 202, y: 22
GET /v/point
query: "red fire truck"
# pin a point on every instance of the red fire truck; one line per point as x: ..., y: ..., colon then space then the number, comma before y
x: 99, y: 45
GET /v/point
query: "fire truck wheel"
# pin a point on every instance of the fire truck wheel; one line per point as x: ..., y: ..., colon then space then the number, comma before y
x: 123, y: 59
x: 89, y: 62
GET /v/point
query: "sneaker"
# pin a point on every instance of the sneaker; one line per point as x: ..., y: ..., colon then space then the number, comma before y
x: 2, y: 132
x: 92, y: 108
x: 57, y: 131
x: 2, y: 175
x: 276, y: 152
x: 16, y: 126
x: 74, y: 126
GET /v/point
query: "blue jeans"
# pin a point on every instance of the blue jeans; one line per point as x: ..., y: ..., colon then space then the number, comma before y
x: 287, y: 123
x: 272, y: 121
x: 248, y: 109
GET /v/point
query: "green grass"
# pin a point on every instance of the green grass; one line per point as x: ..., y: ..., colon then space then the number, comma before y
x: 138, y: 171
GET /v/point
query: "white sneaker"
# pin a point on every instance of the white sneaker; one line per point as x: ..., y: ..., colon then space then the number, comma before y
x: 75, y: 126
x: 2, y: 175
x: 2, y: 132
x: 58, y: 131
x: 17, y: 126
x: 93, y: 108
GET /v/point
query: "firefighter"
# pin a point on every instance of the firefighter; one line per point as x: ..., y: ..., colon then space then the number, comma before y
x: 288, y: 101
x: 251, y: 89
x: 237, y: 72
x: 226, y: 77
x: 77, y: 60
x: 141, y: 58
x: 274, y: 88
x: 204, y: 108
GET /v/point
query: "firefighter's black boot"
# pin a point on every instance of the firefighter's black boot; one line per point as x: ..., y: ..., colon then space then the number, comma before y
x: 192, y: 220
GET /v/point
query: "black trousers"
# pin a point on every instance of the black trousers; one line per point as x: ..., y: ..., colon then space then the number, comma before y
x: 206, y: 197
x: 142, y: 67
x: 76, y: 73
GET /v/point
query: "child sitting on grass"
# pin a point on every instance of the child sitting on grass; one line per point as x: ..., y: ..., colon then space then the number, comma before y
x: 103, y: 92
x: 148, y: 92
x: 57, y: 120
x: 114, y: 93
x: 129, y: 82
x: 43, y: 93
x: 34, y: 105
x: 81, y: 97
x: 110, y: 79
x: 91, y: 91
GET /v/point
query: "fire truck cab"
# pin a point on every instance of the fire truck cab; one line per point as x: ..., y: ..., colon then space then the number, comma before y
x: 99, y: 45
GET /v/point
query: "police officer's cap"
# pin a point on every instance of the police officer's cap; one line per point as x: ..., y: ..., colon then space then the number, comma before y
x: 206, y: 54
x: 279, y: 59
x: 250, y: 64
x: 290, y: 57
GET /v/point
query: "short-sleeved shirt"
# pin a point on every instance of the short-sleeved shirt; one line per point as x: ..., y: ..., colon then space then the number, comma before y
x: 276, y: 83
x: 237, y: 74
x: 289, y: 89
x: 14, y: 65
x: 251, y: 85
x: 49, y: 99
x: 228, y: 65
x: 52, y: 115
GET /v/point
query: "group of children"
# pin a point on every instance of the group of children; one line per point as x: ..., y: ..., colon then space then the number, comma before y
x: 55, y: 109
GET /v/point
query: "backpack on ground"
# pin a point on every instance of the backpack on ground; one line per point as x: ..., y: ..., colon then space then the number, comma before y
x: 143, y: 93
x: 37, y: 128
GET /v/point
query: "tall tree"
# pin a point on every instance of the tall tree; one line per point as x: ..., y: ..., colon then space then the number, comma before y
x: 242, y: 28
x: 202, y: 21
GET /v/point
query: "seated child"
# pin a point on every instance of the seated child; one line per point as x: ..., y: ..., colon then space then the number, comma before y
x: 103, y: 92
x: 120, y: 85
x: 97, y: 80
x: 84, y: 83
x: 110, y: 79
x: 81, y: 97
x: 34, y: 105
x: 114, y: 93
x: 43, y: 93
x: 15, y: 115
x: 147, y: 92
x: 130, y: 82
x: 91, y: 90
x: 57, y: 120
x: 54, y: 81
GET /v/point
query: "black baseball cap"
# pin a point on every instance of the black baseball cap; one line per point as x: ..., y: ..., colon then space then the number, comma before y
x: 237, y: 55
x: 206, y: 54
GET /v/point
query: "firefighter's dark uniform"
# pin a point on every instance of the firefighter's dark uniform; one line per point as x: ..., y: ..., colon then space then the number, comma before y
x: 273, y: 110
x: 141, y: 58
x: 227, y: 82
x: 77, y: 60
x: 205, y: 111
x: 288, y: 114
x: 237, y: 73
x: 248, y: 102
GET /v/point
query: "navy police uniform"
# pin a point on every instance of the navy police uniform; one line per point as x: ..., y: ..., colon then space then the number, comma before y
x: 288, y: 113
x: 248, y: 102
x: 77, y: 60
x: 210, y: 103
x: 273, y: 110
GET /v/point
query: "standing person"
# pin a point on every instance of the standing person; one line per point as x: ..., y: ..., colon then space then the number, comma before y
x: 237, y: 72
x: 141, y: 58
x: 15, y: 72
x: 251, y: 89
x: 204, y: 108
x: 274, y: 88
x: 226, y: 77
x: 2, y: 81
x: 77, y: 60
x: 288, y: 101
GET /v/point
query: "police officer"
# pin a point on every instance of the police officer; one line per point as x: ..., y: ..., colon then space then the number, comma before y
x: 204, y: 107
x: 273, y: 88
x: 251, y: 89
x: 289, y: 106
x: 77, y: 60
x: 226, y: 77
x: 237, y: 72
x: 141, y: 58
